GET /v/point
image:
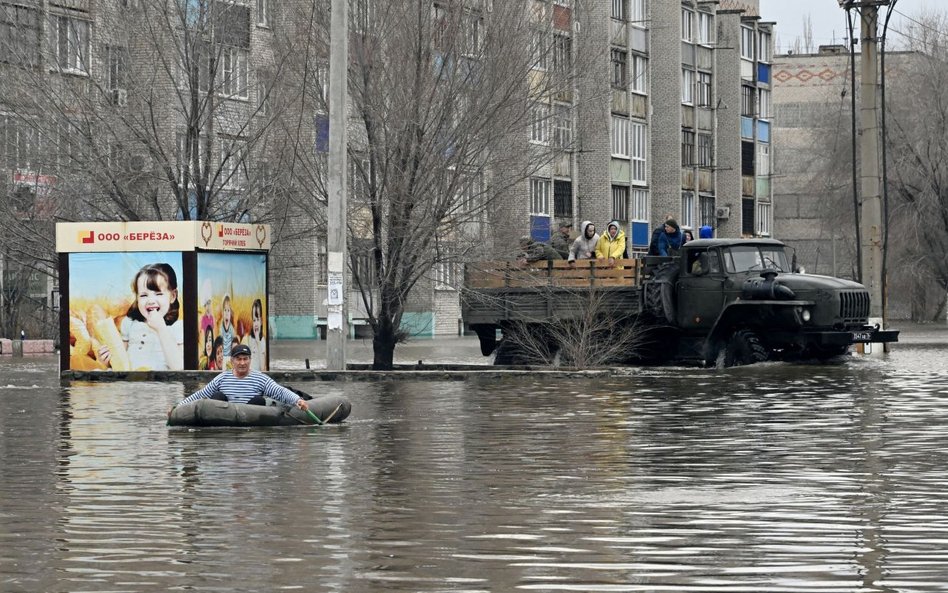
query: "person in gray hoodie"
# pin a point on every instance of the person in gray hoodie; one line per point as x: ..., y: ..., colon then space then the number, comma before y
x: 584, y: 247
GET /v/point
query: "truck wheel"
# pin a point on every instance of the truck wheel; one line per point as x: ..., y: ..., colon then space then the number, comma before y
x: 744, y: 347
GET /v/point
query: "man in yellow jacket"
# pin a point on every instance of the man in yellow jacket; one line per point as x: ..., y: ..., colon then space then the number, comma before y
x: 611, y: 244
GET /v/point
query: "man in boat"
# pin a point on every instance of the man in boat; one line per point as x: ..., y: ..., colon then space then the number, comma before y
x: 244, y: 386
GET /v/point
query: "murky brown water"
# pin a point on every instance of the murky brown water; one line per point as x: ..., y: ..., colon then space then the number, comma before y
x: 773, y: 478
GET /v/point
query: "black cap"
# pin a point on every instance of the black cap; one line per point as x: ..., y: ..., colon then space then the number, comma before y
x: 240, y: 349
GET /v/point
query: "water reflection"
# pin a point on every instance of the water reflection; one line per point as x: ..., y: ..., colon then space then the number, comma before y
x: 768, y: 478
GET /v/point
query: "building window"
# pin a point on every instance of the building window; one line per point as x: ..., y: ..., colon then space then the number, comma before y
x: 618, y: 9
x: 747, y: 217
x: 563, y: 126
x: 639, y: 204
x: 687, y: 148
x: 233, y: 72
x: 706, y: 28
x: 263, y: 97
x: 20, y: 142
x: 540, y: 123
x: 620, y: 203
x: 190, y: 159
x: 639, y: 74
x: 704, y: 89
x: 619, y: 65
x: 467, y: 194
x: 540, y: 197
x: 706, y: 211
x: 687, y: 86
x: 637, y: 13
x: 763, y: 103
x: 705, y: 150
x: 639, y: 148
x: 263, y: 13
x: 747, y: 43
x: 446, y: 273
x: 747, y: 158
x: 360, y: 168
x: 763, y: 219
x: 540, y: 50
x: 620, y: 137
x: 234, y: 163
x: 69, y: 43
x: 472, y: 23
x: 562, y: 54
x: 764, y: 47
x: 116, y: 74
x: 19, y: 35
x: 563, y: 199
x: 747, y: 101
x: 362, y: 263
x: 687, y: 25
x: 687, y: 209
x: 763, y: 160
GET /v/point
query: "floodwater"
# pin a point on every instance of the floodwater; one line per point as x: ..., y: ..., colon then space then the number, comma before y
x: 770, y: 478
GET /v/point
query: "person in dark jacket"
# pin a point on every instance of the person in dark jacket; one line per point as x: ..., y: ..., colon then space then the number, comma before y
x: 656, y: 233
x: 561, y: 241
x: 531, y: 251
x: 671, y: 240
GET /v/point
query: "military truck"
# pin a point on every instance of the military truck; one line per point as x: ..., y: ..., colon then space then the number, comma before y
x: 718, y: 301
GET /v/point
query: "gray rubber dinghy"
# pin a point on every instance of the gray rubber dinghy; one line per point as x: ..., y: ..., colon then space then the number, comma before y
x: 329, y: 409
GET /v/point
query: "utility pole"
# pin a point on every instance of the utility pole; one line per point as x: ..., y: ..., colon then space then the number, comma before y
x: 337, y: 330
x: 871, y: 202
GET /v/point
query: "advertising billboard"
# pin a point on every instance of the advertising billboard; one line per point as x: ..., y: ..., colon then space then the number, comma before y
x: 161, y: 295
x: 232, y: 299
x: 125, y: 311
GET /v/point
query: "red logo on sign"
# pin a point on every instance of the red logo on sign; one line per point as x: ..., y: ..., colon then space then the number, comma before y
x: 86, y: 237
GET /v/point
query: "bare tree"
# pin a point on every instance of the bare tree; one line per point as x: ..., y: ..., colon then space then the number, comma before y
x: 444, y: 99
x: 918, y: 116
x: 598, y: 333
x: 156, y: 110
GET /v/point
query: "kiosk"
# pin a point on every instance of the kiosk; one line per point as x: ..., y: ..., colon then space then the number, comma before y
x: 155, y: 296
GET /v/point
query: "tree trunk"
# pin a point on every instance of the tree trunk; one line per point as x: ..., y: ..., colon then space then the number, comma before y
x: 383, y: 346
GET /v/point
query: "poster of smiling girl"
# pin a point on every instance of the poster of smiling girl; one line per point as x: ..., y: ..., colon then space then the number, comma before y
x: 125, y: 311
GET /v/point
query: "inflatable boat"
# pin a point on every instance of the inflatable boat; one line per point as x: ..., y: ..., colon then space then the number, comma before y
x: 328, y: 409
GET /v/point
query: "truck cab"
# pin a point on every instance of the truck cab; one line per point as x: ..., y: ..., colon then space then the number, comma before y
x: 741, y: 300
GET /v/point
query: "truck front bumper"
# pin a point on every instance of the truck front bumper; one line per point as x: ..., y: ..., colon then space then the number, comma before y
x: 866, y: 334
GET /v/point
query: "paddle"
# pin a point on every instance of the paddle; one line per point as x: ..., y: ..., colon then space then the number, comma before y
x: 314, y: 417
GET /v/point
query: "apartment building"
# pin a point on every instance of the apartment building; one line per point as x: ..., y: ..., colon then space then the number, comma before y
x: 671, y: 114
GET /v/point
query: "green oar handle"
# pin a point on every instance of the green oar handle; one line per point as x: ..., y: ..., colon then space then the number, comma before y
x: 314, y: 417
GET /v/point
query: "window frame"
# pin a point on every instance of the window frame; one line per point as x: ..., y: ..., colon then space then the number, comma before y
x: 70, y: 50
x: 638, y: 80
x: 540, y: 195
x: 638, y: 152
x: 620, y: 145
x: 620, y: 68
x: 687, y: 86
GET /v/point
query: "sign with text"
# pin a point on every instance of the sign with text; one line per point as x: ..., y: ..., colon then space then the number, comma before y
x: 92, y: 237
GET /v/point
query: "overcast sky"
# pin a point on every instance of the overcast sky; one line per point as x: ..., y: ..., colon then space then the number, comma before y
x: 829, y: 20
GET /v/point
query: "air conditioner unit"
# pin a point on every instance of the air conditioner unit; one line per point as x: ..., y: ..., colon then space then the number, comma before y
x: 722, y: 212
x: 119, y: 97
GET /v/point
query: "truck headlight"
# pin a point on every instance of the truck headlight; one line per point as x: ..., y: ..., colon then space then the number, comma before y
x: 805, y: 315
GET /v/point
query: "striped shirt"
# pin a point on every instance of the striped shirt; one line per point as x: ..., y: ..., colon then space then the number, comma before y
x: 242, y: 390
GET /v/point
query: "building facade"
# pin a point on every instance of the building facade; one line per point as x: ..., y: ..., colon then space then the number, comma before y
x: 671, y: 115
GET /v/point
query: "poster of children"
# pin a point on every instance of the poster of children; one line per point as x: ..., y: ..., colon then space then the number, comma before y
x: 125, y: 311
x: 232, y: 289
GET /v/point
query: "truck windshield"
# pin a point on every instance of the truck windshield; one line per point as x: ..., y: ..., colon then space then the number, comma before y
x: 745, y: 258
